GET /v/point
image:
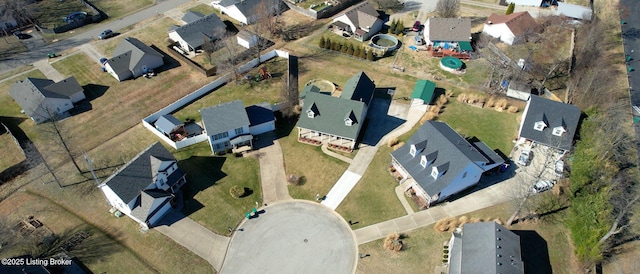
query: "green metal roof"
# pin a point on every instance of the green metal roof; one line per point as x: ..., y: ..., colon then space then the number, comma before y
x: 466, y: 46
x: 330, y: 115
x: 424, y: 90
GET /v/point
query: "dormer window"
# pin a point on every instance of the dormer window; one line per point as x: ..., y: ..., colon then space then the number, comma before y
x: 539, y: 126
x: 312, y: 111
x: 434, y: 173
x: 438, y: 171
x: 348, y: 122
x: 557, y: 131
x: 412, y: 150
x: 423, y: 161
x: 310, y: 114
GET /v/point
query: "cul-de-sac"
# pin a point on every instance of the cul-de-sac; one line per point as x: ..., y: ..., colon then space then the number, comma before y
x: 319, y: 136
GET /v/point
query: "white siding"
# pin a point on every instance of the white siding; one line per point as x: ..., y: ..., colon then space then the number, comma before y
x: 58, y: 105
x: 147, y: 62
x: 426, y: 33
x: 262, y: 128
x: 174, y: 36
x: 114, y: 199
x: 236, y: 14
x: 344, y: 19
x: 373, y: 30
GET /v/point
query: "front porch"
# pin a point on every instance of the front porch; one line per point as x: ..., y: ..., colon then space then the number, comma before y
x: 333, y: 142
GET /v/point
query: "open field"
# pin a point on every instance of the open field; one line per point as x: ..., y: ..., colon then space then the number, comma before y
x: 424, y: 246
x: 373, y: 199
x: 209, y: 178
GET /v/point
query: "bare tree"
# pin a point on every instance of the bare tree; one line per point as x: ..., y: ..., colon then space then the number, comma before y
x: 265, y: 25
x: 447, y: 8
x: 228, y: 60
x: 54, y: 131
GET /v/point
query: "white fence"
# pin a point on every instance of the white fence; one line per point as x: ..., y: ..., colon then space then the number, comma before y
x: 206, y: 89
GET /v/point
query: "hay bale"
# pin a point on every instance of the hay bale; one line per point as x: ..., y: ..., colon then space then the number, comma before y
x: 512, y: 109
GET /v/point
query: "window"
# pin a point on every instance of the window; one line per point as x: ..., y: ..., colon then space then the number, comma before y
x: 348, y: 122
x: 539, y: 126
x: 557, y: 131
x: 310, y: 114
x: 434, y: 173
x: 423, y: 161
x: 412, y: 150
x: 220, y: 136
x: 239, y: 131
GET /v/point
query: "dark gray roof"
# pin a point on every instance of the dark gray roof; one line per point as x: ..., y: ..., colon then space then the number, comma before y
x: 359, y: 88
x: 207, y: 28
x: 449, y: 29
x: 556, y: 114
x: 246, y: 35
x: 144, y: 209
x: 30, y: 93
x: 330, y: 115
x: 191, y: 16
x: 362, y: 15
x: 166, y: 123
x: 450, y: 151
x: 224, y: 117
x: 139, y: 173
x: 128, y: 54
x: 260, y: 114
x: 490, y: 248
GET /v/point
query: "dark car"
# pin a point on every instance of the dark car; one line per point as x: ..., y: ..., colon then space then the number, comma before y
x: 106, y: 34
x: 416, y: 26
x: 21, y: 35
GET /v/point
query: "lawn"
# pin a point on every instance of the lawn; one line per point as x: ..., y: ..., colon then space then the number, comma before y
x: 204, y: 9
x: 10, y: 46
x: 424, y: 246
x: 496, y: 129
x: 152, y: 31
x: 49, y: 13
x: 373, y: 199
x: 209, y: 178
x: 11, y: 108
x: 119, y: 8
x: 11, y: 152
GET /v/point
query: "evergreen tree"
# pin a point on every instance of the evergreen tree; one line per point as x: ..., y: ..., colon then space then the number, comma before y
x: 356, y: 51
x: 393, y: 26
x: 322, y: 42
x: 327, y: 44
x: 350, y: 49
x: 335, y: 45
x: 363, y: 53
x: 399, y: 28
x: 510, y: 8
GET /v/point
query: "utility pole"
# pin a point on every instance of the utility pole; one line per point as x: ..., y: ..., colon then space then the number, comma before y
x: 86, y: 159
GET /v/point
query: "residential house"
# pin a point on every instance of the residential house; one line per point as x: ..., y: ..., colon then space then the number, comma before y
x: 171, y: 127
x: 247, y: 39
x: 574, y: 11
x: 132, y: 58
x: 248, y: 11
x: 549, y: 123
x: 440, y: 163
x: 422, y: 93
x: 362, y: 21
x: 485, y: 247
x: 448, y: 37
x: 145, y: 188
x: 198, y: 31
x: 512, y: 28
x: 41, y: 99
x: 231, y: 126
x: 335, y: 120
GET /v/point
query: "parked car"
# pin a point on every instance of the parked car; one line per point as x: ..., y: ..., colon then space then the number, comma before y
x: 525, y: 157
x: 416, y: 26
x: 106, y: 34
x: 21, y: 35
x: 543, y: 185
x: 419, y: 40
x: 79, y: 15
x: 559, y: 168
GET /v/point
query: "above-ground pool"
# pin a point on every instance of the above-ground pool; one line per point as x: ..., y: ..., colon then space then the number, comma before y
x: 451, y: 64
x: 384, y: 41
x: 323, y: 85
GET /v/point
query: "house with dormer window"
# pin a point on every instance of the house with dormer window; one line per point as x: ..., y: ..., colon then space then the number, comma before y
x: 144, y: 189
x: 335, y: 120
x: 549, y: 123
x: 436, y: 162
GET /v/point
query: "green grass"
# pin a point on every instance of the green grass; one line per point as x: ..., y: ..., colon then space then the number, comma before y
x: 119, y: 8
x: 209, y: 178
x: 249, y: 91
x: 9, y: 46
x: 50, y: 12
x: 11, y: 152
x: 373, y: 199
x: 496, y: 129
x: 204, y: 9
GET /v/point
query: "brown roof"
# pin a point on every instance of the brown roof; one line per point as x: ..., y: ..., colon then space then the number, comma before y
x: 449, y: 29
x: 517, y: 22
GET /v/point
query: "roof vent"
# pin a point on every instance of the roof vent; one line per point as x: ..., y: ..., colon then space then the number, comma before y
x: 498, y: 247
x: 498, y: 239
x: 489, y: 22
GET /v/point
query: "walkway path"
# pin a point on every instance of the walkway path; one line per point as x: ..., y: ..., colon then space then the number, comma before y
x: 326, y: 150
x: 204, y: 243
x: 403, y: 200
x: 272, y: 176
x: 48, y: 70
x: 365, y: 155
x: 490, y: 196
x: 91, y: 51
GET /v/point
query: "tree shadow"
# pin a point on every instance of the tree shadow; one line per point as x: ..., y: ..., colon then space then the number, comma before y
x: 202, y: 172
x: 284, y: 125
x: 536, y: 254
x: 247, y: 192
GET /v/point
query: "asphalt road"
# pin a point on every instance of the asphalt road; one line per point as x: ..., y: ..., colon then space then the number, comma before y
x: 36, y: 54
x: 631, y: 37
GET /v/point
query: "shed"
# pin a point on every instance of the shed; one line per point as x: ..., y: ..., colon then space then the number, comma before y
x: 168, y: 124
x: 423, y: 92
x: 247, y: 39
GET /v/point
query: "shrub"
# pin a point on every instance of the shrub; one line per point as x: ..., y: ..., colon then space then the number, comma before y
x: 363, y: 53
x: 322, y: 42
x: 462, y: 98
x: 448, y: 93
x: 356, y: 51
x: 502, y: 103
x: 491, y: 102
x: 327, y: 43
x: 392, y: 142
x: 510, y: 8
x: 293, y: 179
x: 236, y: 191
x: 442, y: 99
x: 446, y: 224
x: 370, y: 56
x: 428, y: 116
x: 462, y: 220
x: 392, y: 242
x: 435, y: 109
x: 512, y: 109
x: 472, y: 98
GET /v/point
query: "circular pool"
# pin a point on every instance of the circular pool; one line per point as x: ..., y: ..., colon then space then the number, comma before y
x: 451, y: 64
x: 384, y: 41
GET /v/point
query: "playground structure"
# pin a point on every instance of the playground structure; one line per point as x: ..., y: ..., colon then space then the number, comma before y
x: 264, y: 74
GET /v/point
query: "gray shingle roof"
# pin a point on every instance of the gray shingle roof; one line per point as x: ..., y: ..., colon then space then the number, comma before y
x: 556, y: 114
x: 359, y: 88
x: 330, y: 114
x: 138, y: 174
x: 144, y: 209
x: 449, y: 29
x: 128, y: 54
x: 207, y: 28
x: 224, y: 117
x: 489, y: 248
x: 362, y: 15
x: 260, y: 114
x: 30, y: 93
x: 191, y: 16
x: 454, y: 153
x: 166, y: 123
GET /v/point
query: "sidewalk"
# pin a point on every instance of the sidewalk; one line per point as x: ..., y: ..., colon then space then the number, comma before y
x: 403, y: 200
x: 490, y: 196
